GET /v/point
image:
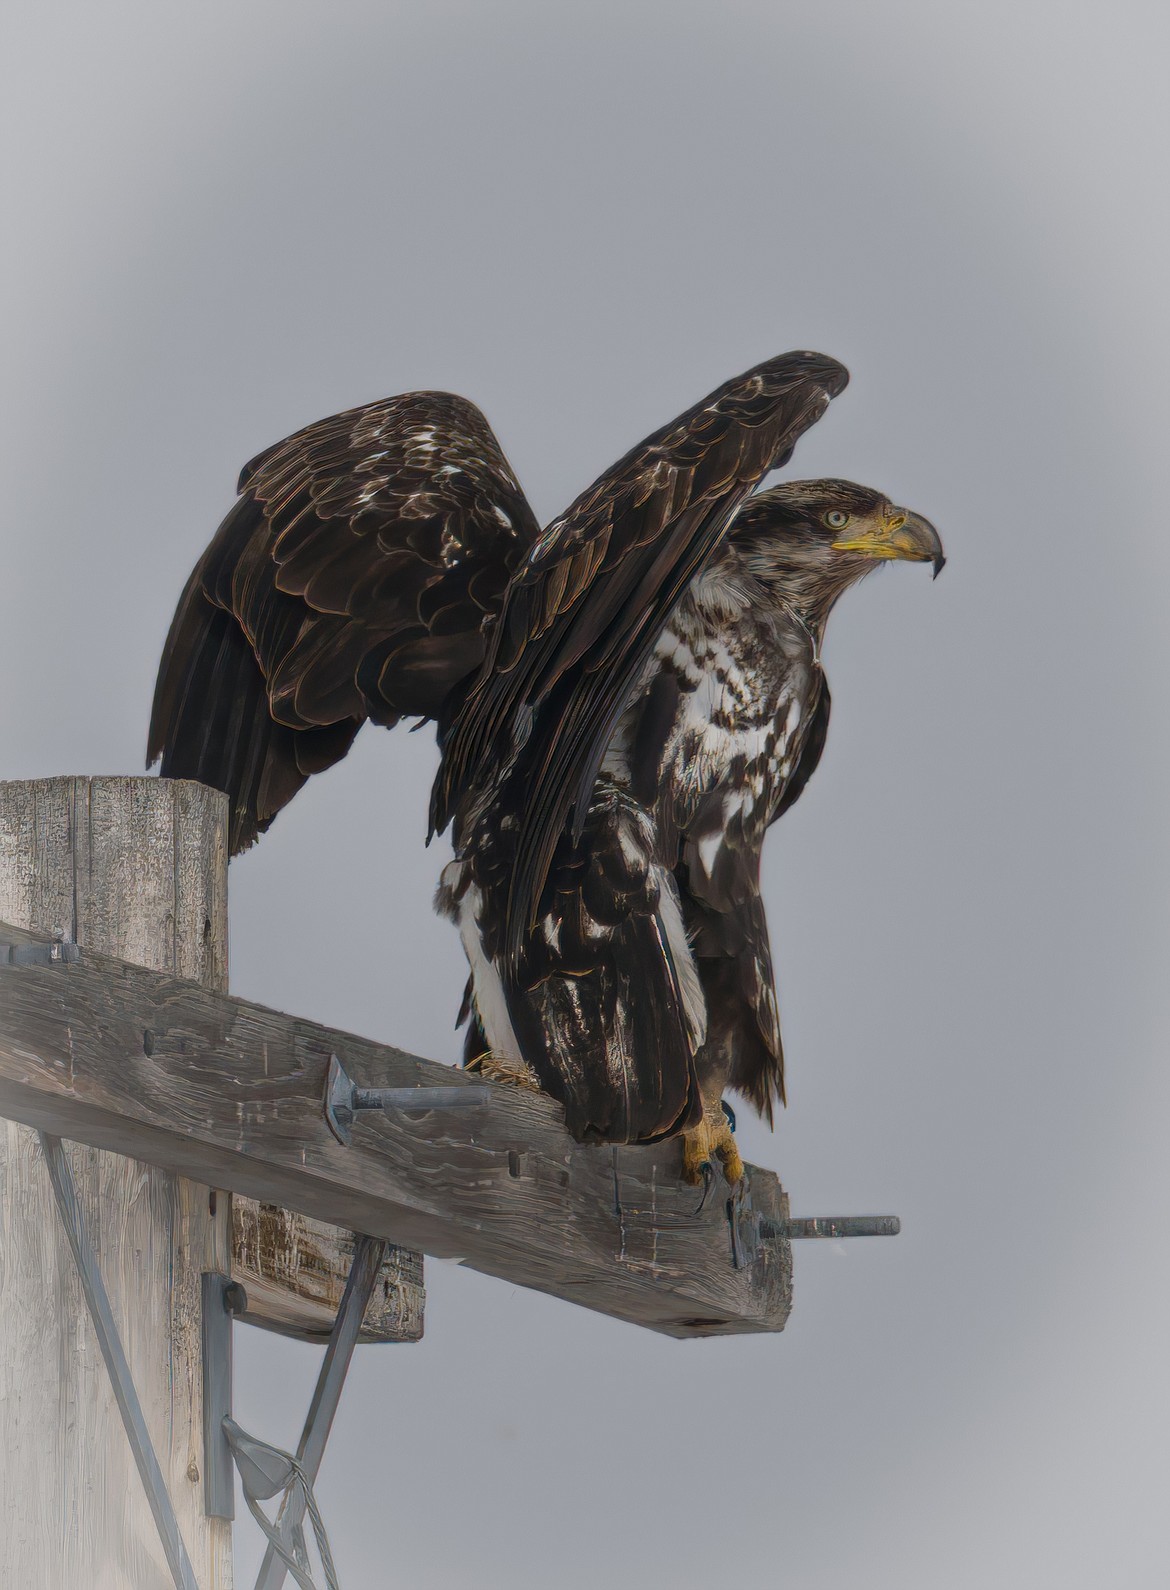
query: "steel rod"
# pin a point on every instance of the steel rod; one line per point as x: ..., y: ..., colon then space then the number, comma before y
x: 368, y: 1254
x: 344, y: 1099
x: 472, y: 1095
x: 98, y: 1302
x: 833, y: 1226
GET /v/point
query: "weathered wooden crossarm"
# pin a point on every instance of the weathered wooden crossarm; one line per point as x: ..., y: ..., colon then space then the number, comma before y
x: 232, y: 1094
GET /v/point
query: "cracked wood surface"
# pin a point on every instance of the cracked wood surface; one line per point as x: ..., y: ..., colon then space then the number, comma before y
x: 294, y: 1270
x: 232, y: 1092
x: 139, y: 870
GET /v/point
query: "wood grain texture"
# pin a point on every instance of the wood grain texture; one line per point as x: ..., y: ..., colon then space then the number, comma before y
x: 294, y: 1271
x: 217, y: 1087
x: 137, y: 869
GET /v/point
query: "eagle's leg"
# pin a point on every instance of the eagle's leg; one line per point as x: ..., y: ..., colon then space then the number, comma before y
x: 713, y: 1139
x: 499, y: 1068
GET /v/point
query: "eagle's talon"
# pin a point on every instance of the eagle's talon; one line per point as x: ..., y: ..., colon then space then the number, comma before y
x: 707, y: 1173
x: 712, y: 1140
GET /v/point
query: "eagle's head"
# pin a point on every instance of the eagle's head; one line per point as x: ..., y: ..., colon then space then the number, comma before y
x: 811, y: 539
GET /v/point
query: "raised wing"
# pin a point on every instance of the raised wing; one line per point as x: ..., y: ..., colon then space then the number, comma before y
x: 351, y: 580
x: 584, y: 610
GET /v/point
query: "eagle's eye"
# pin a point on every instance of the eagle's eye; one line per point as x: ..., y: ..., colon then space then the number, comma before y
x: 836, y: 520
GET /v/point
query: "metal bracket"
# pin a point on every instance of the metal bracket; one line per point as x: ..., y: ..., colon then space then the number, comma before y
x: 344, y: 1099
x: 265, y: 1472
x: 222, y: 1298
x: 55, y: 954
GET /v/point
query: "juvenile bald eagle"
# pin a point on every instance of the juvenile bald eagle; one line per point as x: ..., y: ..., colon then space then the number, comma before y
x: 624, y: 702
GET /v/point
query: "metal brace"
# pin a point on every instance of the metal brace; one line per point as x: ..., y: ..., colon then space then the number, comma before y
x: 110, y: 1342
x: 368, y: 1255
x: 55, y: 954
x: 344, y: 1099
x: 222, y: 1299
x: 266, y: 1470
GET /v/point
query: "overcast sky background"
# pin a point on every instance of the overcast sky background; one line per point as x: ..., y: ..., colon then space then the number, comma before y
x: 224, y: 221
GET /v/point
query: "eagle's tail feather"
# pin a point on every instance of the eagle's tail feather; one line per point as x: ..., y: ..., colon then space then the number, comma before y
x: 612, y: 1044
x: 607, y: 1006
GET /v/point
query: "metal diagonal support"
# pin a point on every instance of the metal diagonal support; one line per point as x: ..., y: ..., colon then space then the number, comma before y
x: 98, y: 1302
x: 265, y: 1471
x: 367, y: 1261
x: 222, y: 1298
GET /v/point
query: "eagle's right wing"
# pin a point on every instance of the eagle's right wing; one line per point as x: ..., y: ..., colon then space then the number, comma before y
x: 351, y: 580
x: 584, y: 610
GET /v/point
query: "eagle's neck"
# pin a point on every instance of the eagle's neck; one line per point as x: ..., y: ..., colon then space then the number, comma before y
x: 814, y: 632
x: 798, y: 574
x: 799, y: 594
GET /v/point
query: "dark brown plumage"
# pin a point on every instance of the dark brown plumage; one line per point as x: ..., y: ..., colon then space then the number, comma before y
x: 350, y: 581
x: 624, y: 701
x: 582, y: 613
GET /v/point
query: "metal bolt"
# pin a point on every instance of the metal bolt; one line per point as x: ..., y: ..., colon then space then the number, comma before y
x: 833, y: 1226
x: 235, y: 1298
x: 343, y: 1098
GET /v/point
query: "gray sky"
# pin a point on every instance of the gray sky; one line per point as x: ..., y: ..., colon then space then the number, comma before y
x: 224, y: 221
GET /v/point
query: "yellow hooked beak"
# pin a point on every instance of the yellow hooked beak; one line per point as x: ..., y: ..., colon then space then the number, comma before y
x: 899, y: 535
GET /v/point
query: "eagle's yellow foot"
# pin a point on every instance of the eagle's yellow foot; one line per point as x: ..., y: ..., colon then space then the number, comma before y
x: 498, y: 1069
x: 711, y: 1140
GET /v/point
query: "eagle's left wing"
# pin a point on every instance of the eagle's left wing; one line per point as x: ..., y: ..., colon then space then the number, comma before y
x: 353, y: 579
x: 582, y: 614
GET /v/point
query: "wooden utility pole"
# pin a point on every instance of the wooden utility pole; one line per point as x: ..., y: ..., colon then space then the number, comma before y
x: 136, y: 868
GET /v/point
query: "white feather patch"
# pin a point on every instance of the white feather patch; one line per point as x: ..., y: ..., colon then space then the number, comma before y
x: 709, y: 852
x: 675, y: 934
x: 461, y: 900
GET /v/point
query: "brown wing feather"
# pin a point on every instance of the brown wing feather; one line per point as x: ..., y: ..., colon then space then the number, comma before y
x: 351, y: 580
x: 584, y: 610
